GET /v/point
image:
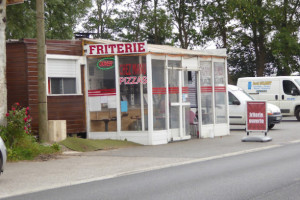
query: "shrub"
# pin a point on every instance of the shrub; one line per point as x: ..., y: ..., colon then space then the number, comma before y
x: 20, y: 143
x: 18, y: 125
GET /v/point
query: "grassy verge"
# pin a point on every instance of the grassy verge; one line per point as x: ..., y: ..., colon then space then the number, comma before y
x: 83, y: 145
x: 29, y: 149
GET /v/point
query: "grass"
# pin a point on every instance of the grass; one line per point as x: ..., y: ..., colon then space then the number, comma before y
x: 84, y: 145
x: 28, y: 149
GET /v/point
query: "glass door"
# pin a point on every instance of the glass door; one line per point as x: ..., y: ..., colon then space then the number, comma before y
x: 178, y: 101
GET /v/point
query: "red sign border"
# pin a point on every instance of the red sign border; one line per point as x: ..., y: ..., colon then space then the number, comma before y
x: 265, y: 119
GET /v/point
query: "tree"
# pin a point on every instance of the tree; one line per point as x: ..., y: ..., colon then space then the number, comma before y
x: 158, y: 26
x: 217, y: 22
x: 285, y: 45
x: 3, y: 90
x: 255, y: 20
x: 21, y: 20
x: 185, y: 15
x: 61, y: 18
x: 101, y: 21
x: 131, y: 19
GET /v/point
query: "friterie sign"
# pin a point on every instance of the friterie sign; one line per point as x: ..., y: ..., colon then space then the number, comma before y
x: 120, y: 48
x: 256, y: 116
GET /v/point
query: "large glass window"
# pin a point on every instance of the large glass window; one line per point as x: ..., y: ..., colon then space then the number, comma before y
x: 174, y: 93
x: 186, y: 99
x: 220, y: 93
x: 133, y: 93
x: 159, y: 94
x: 206, y: 92
x: 102, y: 94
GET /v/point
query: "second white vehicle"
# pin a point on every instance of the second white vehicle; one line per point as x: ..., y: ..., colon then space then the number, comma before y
x: 237, y: 99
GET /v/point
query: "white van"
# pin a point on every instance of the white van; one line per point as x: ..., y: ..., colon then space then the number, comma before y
x: 237, y: 100
x: 283, y: 91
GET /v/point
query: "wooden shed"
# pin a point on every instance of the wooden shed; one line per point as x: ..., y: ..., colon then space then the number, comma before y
x: 22, y: 81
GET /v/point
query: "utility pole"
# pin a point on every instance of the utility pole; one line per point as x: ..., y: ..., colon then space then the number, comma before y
x: 41, y: 50
x: 3, y: 88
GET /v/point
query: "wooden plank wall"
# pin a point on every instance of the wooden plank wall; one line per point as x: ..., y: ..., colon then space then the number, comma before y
x: 16, y: 74
x: 71, y: 107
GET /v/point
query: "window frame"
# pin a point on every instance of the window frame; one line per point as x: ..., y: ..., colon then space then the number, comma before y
x: 79, y: 60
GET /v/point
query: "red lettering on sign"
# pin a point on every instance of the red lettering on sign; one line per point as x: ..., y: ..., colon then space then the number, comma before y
x: 133, y: 69
x: 111, y: 47
x: 133, y: 80
x: 134, y: 47
x: 120, y: 48
x: 92, y: 47
x: 99, y: 49
x: 106, y: 52
x: 128, y: 48
x: 141, y: 47
x: 128, y: 67
x: 107, y: 63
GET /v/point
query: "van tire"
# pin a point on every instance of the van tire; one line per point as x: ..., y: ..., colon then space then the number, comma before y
x: 270, y: 126
x: 297, y: 113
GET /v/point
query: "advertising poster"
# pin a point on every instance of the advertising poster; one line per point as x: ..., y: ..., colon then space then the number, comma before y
x: 257, y: 116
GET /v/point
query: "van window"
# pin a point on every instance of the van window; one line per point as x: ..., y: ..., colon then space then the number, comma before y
x: 288, y: 86
x: 231, y: 98
x: 297, y: 81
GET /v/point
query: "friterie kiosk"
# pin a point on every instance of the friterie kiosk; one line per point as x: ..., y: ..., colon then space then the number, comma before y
x: 150, y: 94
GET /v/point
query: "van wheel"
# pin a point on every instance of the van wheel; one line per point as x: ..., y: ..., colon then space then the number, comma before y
x: 271, y: 126
x: 297, y: 113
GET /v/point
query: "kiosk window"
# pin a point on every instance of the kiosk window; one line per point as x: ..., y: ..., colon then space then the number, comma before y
x: 133, y: 93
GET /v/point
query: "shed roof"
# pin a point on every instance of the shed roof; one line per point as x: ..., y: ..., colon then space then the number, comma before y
x: 166, y: 49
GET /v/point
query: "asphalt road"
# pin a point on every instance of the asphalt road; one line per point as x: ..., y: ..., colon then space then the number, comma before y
x: 268, y: 174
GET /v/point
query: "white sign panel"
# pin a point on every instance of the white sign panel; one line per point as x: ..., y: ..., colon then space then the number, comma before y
x: 119, y: 48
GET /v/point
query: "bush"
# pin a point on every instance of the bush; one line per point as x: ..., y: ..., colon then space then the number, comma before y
x: 20, y: 143
x: 18, y: 126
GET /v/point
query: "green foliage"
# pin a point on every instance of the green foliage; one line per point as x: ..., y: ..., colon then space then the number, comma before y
x: 263, y: 35
x: 131, y: 20
x: 21, y: 145
x: 100, y: 19
x: 21, y: 20
x: 61, y: 18
x: 18, y: 125
x: 158, y: 27
x: 185, y: 15
x: 216, y: 15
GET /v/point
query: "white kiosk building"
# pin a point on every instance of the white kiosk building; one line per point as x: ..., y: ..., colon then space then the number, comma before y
x: 149, y: 94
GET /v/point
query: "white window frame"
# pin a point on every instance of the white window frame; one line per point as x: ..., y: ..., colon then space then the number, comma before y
x: 79, y: 60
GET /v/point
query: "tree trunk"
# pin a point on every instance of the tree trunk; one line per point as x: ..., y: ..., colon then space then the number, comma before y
x: 155, y: 23
x: 3, y: 88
